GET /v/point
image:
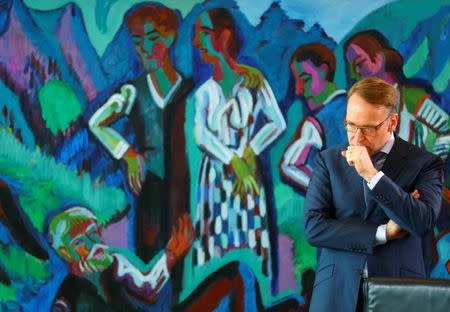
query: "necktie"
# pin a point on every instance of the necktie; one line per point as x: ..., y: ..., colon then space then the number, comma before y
x: 378, y: 160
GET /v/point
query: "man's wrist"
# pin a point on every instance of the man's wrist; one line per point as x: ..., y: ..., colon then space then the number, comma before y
x: 381, y: 235
x: 368, y: 177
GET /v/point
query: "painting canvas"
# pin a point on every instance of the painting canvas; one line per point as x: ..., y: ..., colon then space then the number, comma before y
x: 155, y: 155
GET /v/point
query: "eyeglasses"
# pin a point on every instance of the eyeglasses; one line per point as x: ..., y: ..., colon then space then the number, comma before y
x: 366, y: 130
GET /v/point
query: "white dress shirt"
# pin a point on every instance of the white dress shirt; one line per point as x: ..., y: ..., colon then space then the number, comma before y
x: 380, y: 236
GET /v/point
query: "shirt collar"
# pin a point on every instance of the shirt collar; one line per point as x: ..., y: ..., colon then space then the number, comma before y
x: 388, y: 145
x: 157, y: 98
x: 333, y: 95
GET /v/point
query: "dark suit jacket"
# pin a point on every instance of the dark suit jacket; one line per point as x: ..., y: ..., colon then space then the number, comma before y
x: 338, y: 220
x: 162, y: 131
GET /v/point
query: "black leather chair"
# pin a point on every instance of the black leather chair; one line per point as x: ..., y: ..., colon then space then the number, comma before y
x: 406, y: 294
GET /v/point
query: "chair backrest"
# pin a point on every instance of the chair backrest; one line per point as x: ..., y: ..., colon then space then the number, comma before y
x: 406, y: 294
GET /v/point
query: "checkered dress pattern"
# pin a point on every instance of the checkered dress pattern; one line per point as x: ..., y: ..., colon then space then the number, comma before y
x: 227, y: 221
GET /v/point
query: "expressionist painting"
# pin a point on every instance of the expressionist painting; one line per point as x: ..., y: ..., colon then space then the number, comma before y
x: 155, y: 155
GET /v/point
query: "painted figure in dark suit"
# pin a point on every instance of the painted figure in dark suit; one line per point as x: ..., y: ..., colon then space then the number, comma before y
x: 154, y: 104
x: 370, y: 202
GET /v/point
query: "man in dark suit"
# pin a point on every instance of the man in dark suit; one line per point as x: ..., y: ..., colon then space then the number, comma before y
x: 370, y: 202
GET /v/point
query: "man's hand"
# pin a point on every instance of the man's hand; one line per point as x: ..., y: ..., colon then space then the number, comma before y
x: 135, y: 169
x: 394, y: 231
x: 415, y: 194
x: 180, y: 241
x: 358, y: 157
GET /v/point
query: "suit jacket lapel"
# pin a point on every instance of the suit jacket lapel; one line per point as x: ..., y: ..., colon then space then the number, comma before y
x: 392, y: 167
x: 395, y: 159
x: 354, y: 184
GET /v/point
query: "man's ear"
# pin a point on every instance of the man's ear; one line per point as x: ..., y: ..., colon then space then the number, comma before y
x: 394, y: 122
x: 62, y: 251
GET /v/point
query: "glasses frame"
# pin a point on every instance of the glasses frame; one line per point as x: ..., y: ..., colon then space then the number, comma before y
x: 366, y: 130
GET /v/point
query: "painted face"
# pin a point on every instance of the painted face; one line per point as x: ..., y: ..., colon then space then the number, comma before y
x: 309, y: 79
x: 205, y: 39
x: 363, y: 114
x: 82, y: 248
x: 151, y: 47
x: 361, y: 65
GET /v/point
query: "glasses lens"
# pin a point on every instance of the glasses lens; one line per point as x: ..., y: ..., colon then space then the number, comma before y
x: 368, y: 131
x: 349, y: 127
x: 364, y: 130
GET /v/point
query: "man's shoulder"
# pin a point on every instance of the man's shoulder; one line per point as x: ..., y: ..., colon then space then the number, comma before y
x: 412, y: 151
x: 334, y: 150
x: 332, y: 155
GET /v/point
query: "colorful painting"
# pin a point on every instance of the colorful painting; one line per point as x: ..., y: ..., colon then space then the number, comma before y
x: 155, y: 155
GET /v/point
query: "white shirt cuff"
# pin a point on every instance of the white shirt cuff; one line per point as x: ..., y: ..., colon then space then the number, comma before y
x: 120, y: 149
x: 373, y: 182
x: 380, y: 235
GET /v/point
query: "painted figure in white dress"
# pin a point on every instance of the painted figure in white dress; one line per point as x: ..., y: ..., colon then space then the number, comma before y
x: 236, y: 118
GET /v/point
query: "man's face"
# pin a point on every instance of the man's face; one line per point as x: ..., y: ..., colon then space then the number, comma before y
x: 363, y: 114
x: 151, y: 47
x: 309, y: 79
x: 361, y: 65
x: 82, y: 249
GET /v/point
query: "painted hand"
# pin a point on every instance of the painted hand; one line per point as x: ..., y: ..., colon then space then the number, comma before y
x: 250, y: 160
x: 128, y: 92
x: 441, y: 146
x: 180, y: 241
x: 433, y: 116
x: 253, y: 78
x: 135, y: 169
x: 358, y: 157
x: 244, y: 182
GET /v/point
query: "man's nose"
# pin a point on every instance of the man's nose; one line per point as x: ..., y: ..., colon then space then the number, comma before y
x: 359, y: 136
